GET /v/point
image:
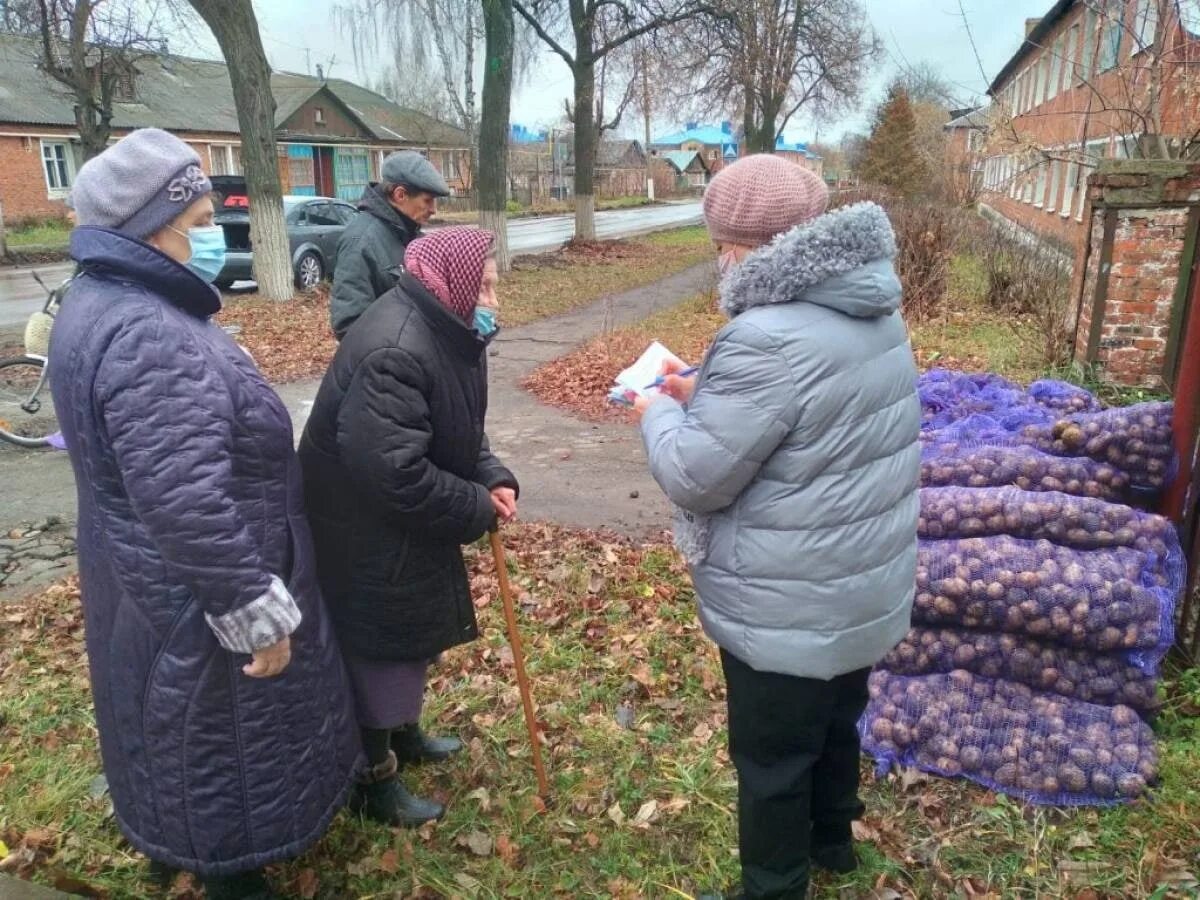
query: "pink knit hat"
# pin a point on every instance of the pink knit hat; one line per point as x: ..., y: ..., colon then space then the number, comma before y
x: 759, y: 197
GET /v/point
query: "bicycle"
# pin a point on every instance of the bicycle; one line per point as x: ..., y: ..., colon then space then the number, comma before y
x: 27, y: 416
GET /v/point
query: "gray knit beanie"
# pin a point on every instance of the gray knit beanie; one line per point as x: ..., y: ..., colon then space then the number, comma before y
x: 140, y: 184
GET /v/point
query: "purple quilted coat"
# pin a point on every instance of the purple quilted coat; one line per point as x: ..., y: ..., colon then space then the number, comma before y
x: 193, y: 551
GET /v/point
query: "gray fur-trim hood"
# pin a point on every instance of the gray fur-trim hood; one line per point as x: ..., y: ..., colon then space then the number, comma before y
x: 827, y: 261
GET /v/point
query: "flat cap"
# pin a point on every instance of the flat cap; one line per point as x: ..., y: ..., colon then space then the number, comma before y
x: 411, y: 169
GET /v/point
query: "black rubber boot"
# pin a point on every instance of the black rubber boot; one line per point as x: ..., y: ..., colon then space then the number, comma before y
x: 382, y: 797
x: 839, y: 858
x: 245, y: 886
x: 411, y: 746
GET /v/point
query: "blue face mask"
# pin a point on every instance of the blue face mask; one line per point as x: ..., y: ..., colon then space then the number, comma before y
x: 485, y: 320
x: 208, y: 250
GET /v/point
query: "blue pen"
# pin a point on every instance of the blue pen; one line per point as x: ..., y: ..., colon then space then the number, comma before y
x: 658, y: 382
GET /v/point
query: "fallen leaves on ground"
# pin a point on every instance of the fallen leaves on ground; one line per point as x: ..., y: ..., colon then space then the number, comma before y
x: 642, y: 808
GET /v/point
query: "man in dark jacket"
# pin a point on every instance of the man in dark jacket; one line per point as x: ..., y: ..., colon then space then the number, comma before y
x: 390, y: 217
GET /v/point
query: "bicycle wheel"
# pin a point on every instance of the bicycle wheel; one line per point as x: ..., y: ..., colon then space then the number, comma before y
x: 27, y: 416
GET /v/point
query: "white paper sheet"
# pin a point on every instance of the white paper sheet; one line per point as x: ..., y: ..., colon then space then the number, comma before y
x: 643, y: 372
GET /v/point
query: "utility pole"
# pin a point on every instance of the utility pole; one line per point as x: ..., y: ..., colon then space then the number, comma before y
x: 646, y: 113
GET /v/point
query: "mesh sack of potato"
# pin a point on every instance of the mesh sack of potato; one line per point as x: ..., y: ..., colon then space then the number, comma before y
x: 1106, y: 600
x: 1021, y: 467
x: 1063, y: 397
x: 1008, y: 737
x: 1135, y: 439
x: 1104, y: 678
x: 1082, y: 523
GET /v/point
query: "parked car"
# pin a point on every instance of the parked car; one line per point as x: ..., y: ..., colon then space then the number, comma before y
x: 314, y: 226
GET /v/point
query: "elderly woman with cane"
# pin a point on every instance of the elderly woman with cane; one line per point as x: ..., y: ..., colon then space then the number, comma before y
x: 221, y: 701
x: 398, y: 476
x: 792, y: 459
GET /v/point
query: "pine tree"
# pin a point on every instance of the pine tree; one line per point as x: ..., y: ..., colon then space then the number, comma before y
x: 891, y: 157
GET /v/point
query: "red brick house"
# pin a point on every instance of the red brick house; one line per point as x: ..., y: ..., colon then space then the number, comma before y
x: 332, y: 134
x: 1092, y: 80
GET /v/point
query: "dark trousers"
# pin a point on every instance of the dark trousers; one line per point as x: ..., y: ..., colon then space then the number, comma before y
x: 796, y: 749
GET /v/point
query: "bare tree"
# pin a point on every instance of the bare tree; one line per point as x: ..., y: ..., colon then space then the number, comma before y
x: 584, y: 33
x: 91, y: 49
x: 235, y: 27
x: 774, y: 59
x: 494, y: 128
x: 408, y: 28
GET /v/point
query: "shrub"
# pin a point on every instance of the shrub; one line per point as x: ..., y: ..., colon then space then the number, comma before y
x: 513, y: 207
x: 1031, y: 285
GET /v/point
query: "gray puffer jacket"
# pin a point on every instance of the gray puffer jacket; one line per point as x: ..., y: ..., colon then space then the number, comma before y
x: 796, y: 462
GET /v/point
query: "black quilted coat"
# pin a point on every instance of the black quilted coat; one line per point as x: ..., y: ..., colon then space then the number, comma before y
x: 397, y: 474
x: 190, y: 501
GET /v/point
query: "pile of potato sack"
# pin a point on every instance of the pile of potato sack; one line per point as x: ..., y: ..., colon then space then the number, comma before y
x: 1044, y: 599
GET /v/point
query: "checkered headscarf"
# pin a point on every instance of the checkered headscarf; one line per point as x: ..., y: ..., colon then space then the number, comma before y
x: 449, y: 262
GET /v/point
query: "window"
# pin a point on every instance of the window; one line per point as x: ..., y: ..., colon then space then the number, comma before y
x: 221, y: 157
x: 1110, y: 34
x: 1070, y: 64
x: 323, y: 214
x: 1084, y: 172
x: 1087, y: 60
x: 235, y: 165
x: 318, y: 115
x: 1145, y: 24
x: 450, y: 165
x: 1068, y: 202
x: 1055, y: 184
x: 1040, y: 96
x: 344, y: 212
x: 1039, y: 192
x: 58, y: 167
x: 1055, y: 68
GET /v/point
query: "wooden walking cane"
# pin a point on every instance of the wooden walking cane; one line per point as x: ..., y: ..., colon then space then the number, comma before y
x: 514, y: 639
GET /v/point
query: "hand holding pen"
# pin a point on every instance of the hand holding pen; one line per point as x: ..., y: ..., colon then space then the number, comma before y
x: 677, y: 381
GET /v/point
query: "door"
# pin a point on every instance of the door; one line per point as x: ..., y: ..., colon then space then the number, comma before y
x: 323, y: 170
x: 324, y: 227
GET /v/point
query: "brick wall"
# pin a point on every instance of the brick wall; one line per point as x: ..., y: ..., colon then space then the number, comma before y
x: 1149, y: 208
x: 23, y: 188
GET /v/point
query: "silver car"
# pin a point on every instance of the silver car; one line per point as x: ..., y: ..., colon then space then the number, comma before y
x: 314, y: 226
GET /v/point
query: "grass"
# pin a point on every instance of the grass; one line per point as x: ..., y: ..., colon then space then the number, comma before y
x: 48, y: 235
x: 631, y: 701
x: 971, y: 336
x: 550, y: 284
x: 292, y: 341
x: 517, y: 211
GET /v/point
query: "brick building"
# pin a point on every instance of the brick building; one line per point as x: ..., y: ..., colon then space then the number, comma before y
x: 1092, y: 80
x: 332, y: 134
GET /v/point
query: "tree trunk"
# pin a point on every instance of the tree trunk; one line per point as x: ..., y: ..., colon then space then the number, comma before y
x: 235, y: 27
x: 646, y: 114
x: 492, y: 179
x: 586, y: 137
x: 472, y: 122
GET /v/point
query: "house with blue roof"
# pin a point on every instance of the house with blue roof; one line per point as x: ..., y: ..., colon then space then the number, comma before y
x: 717, y: 144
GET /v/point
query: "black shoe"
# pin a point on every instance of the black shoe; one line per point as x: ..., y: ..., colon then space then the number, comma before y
x: 391, y: 803
x: 411, y: 746
x: 246, y: 886
x: 725, y: 895
x: 839, y: 858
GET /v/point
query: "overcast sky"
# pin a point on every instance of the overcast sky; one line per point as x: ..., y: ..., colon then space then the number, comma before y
x: 298, y: 34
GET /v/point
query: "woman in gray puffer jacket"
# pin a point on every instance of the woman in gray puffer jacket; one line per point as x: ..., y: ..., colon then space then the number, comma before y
x: 792, y: 459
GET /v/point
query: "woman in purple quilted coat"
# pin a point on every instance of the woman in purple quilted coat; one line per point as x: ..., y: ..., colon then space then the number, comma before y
x: 221, y: 699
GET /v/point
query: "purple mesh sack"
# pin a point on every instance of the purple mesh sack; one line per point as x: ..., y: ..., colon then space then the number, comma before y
x: 1021, y: 467
x: 1082, y: 523
x: 1008, y: 737
x: 1135, y: 439
x: 1104, y: 678
x: 1114, y: 599
x: 1063, y: 397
